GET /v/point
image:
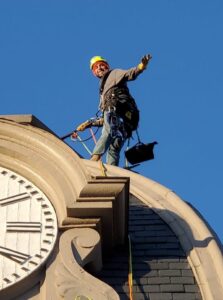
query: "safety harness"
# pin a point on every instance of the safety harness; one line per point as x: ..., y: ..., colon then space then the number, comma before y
x: 119, y: 98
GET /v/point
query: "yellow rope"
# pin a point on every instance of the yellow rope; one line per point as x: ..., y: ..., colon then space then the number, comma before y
x: 130, y: 276
x: 82, y: 298
x: 103, y: 168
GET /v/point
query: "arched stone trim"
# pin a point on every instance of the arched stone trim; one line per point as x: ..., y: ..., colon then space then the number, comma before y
x: 42, y: 158
x: 199, y: 243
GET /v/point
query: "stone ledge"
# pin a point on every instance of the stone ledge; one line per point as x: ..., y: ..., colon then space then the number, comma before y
x: 106, y: 198
x: 27, y: 120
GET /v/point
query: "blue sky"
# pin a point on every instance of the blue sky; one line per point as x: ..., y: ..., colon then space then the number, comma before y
x: 45, y: 47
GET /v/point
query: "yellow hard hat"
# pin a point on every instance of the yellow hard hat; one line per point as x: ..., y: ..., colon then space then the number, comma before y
x: 95, y: 59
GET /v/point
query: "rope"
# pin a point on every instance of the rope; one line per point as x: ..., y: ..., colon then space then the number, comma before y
x: 103, y: 168
x: 81, y: 297
x: 126, y: 161
x: 101, y: 165
x: 85, y: 146
x: 130, y: 277
x: 75, y: 140
x: 93, y: 135
x: 138, y: 136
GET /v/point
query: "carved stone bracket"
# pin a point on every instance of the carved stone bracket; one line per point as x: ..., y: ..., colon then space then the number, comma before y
x: 80, y: 248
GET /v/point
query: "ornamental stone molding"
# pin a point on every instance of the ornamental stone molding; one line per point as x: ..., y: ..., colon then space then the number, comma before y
x: 79, y: 248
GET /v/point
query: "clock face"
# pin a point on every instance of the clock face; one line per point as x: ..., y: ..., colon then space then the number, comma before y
x: 28, y: 228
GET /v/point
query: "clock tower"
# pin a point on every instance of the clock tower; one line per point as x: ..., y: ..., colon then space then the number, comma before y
x: 59, y: 216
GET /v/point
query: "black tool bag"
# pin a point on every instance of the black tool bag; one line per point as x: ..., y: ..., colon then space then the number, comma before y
x: 140, y: 152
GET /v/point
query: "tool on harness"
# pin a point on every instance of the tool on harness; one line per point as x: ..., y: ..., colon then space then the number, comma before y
x: 93, y: 122
x: 69, y: 135
x: 84, y: 125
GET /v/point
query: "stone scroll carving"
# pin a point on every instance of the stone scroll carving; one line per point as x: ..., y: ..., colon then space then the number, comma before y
x: 80, y: 248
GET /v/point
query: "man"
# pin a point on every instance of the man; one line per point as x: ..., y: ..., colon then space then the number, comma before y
x: 114, y: 95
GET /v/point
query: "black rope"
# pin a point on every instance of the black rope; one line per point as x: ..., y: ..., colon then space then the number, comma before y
x: 138, y: 136
x: 97, y: 113
x: 89, y: 138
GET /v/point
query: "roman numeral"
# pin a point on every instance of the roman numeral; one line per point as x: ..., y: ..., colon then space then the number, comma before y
x: 16, y: 256
x: 23, y: 227
x: 14, y: 199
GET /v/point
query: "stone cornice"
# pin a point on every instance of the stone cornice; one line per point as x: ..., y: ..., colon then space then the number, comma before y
x: 107, y: 198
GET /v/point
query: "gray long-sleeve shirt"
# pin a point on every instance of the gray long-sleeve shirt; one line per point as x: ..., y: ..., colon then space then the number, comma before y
x: 115, y: 77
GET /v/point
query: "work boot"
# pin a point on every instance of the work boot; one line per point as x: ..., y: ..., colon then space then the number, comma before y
x: 95, y: 157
